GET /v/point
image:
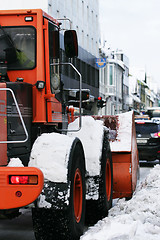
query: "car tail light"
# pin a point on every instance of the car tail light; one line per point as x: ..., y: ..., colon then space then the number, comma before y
x: 23, y: 180
x: 155, y: 135
x: 140, y: 122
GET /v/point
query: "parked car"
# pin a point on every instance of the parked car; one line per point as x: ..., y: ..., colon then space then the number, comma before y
x: 148, y: 139
x: 154, y: 114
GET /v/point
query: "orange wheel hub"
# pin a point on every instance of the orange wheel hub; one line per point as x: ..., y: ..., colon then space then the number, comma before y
x: 77, y: 195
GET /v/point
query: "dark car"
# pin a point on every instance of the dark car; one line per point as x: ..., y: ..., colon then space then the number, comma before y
x: 148, y: 140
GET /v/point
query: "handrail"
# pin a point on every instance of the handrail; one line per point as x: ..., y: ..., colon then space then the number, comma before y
x: 80, y: 96
x: 20, y: 116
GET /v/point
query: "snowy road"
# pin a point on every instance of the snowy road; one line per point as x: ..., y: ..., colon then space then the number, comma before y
x: 144, y: 171
x: 17, y: 229
x: 21, y: 227
x: 136, y: 219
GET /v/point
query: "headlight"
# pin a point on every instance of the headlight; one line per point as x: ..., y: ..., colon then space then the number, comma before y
x: 55, y: 82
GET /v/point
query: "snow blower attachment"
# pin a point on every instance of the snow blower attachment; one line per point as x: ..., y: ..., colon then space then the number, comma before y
x: 123, y: 144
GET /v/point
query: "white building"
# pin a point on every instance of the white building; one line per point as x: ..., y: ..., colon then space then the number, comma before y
x: 114, y: 83
x: 84, y: 19
x: 143, y: 91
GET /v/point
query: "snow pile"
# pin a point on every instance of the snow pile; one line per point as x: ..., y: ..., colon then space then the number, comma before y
x: 42, y: 203
x: 50, y: 153
x: 123, y: 142
x: 15, y: 162
x: 91, y: 136
x: 137, y: 219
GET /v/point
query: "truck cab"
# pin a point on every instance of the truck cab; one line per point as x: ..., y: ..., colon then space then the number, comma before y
x: 29, y: 65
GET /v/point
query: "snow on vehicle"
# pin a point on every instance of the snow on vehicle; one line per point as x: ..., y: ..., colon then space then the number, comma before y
x: 64, y: 173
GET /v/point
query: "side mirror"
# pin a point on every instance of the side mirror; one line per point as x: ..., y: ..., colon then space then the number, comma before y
x: 71, y: 43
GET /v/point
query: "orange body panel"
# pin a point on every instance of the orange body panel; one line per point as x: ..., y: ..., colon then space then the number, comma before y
x: 122, y: 175
x: 54, y: 107
x: 8, y: 199
x: 3, y: 126
x: 39, y: 105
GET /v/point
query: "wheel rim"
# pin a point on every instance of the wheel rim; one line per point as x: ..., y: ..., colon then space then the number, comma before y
x: 108, y: 179
x: 77, y: 195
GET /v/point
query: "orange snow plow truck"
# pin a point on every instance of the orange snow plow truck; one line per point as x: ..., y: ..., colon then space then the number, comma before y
x: 64, y: 172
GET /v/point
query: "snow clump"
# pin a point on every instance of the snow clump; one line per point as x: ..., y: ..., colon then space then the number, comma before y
x: 91, y: 136
x: 15, y: 162
x: 136, y: 219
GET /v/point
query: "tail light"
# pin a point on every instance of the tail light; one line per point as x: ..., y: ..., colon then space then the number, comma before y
x: 140, y: 122
x: 23, y: 180
x: 155, y: 135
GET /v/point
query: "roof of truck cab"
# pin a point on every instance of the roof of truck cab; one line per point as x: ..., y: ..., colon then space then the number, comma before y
x: 28, y: 12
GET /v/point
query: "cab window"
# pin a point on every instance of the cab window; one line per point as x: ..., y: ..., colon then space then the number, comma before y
x: 18, y: 47
x: 54, y: 57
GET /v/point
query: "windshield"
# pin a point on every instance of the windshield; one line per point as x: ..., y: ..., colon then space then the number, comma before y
x: 18, y: 47
x: 146, y: 128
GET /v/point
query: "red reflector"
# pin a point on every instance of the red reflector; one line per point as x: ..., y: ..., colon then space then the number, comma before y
x: 140, y: 122
x: 19, y: 179
x: 18, y: 193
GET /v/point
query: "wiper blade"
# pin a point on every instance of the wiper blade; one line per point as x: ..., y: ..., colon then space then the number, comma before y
x: 7, y: 36
x: 7, y: 48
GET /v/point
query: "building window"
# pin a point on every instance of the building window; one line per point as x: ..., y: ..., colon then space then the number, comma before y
x: 110, y: 75
x: 82, y: 38
x: 83, y: 11
x: 87, y: 42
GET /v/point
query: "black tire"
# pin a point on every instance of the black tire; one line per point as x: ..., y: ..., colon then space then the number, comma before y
x: 66, y: 223
x: 106, y: 182
x: 98, y: 209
